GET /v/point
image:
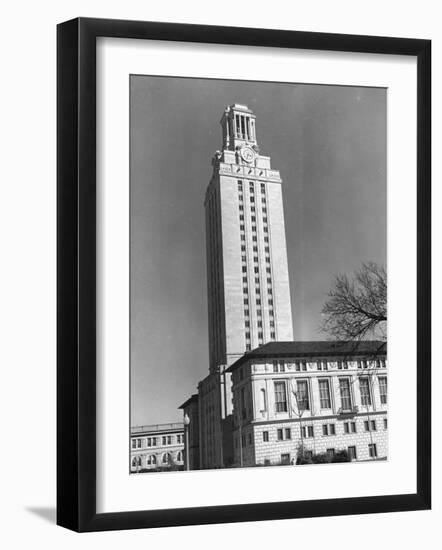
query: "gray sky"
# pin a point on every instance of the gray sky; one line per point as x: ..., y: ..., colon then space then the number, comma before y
x: 329, y: 143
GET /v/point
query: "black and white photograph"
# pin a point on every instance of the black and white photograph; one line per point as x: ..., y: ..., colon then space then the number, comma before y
x: 258, y: 274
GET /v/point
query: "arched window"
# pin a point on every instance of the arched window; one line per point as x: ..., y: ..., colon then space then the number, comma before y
x: 166, y: 458
x: 179, y: 456
x: 151, y: 460
x: 134, y: 462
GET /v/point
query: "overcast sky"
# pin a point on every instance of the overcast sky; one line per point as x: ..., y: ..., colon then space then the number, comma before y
x: 329, y: 143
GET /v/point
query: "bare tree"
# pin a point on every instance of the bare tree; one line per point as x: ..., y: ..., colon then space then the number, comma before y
x: 356, y: 307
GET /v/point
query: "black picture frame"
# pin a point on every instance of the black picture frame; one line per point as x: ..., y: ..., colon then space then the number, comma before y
x: 76, y: 274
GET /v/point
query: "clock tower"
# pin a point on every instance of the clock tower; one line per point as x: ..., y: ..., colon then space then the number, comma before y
x: 247, y: 272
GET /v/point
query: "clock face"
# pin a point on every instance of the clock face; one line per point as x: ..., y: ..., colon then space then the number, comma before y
x: 247, y: 154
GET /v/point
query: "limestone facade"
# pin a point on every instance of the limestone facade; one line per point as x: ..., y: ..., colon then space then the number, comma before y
x: 301, y: 394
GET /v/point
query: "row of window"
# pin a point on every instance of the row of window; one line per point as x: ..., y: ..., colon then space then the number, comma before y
x: 283, y: 434
x: 151, y: 460
x: 159, y: 440
x: 351, y: 450
x: 302, y: 366
x: 257, y: 280
x: 303, y: 399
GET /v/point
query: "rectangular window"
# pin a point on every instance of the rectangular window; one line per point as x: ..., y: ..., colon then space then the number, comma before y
x: 134, y: 443
x: 288, y: 433
x: 324, y: 429
x: 332, y: 429
x: 366, y: 426
x: 344, y: 389
x: 164, y: 440
x: 353, y: 427
x: 346, y: 428
x: 272, y: 334
x: 302, y: 396
x: 275, y: 366
x: 279, y: 434
x: 352, y: 452
x: 307, y: 431
x: 330, y: 453
x: 280, y: 397
x: 385, y: 423
x: 169, y: 440
x: 265, y: 436
x: 383, y: 389
x: 373, y: 425
x: 364, y: 388
x: 372, y: 450
x: 324, y: 393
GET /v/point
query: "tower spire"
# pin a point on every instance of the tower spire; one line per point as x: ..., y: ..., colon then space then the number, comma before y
x: 239, y: 127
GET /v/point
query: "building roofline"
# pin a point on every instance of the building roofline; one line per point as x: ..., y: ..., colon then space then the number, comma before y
x: 320, y: 348
x: 192, y: 398
x: 171, y: 426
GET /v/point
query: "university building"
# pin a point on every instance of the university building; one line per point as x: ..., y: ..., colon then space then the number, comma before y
x: 156, y: 446
x: 245, y: 410
x: 292, y: 398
